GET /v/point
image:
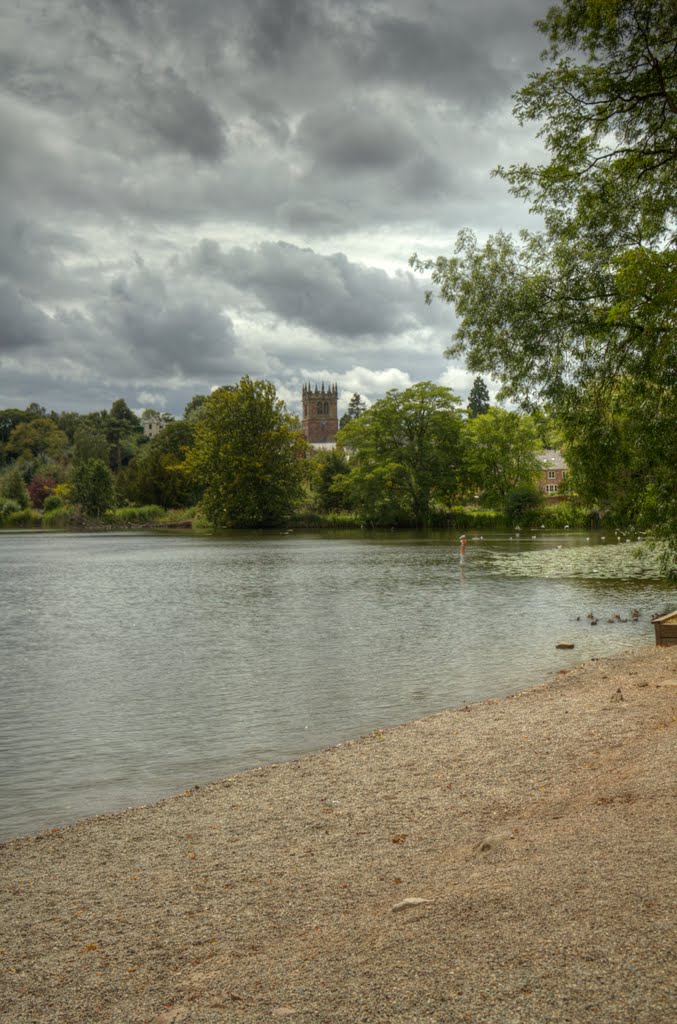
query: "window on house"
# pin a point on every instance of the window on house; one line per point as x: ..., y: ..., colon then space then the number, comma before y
x: 551, y: 474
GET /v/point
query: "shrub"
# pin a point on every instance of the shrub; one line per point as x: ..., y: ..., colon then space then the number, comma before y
x: 523, y: 504
x: 51, y: 502
x: 23, y: 517
x: 13, y: 487
x: 132, y: 515
x: 564, y: 514
x: 59, y: 517
x: 7, y: 507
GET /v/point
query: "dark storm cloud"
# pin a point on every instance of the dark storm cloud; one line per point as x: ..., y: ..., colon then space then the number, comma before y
x: 329, y: 294
x: 364, y: 130
x: 354, y: 137
x: 179, y: 117
x: 162, y: 334
x: 22, y: 325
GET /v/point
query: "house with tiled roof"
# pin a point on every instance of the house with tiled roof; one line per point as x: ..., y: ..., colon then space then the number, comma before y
x: 553, y: 472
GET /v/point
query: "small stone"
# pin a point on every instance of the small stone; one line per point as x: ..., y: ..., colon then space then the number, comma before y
x: 491, y: 842
x: 618, y: 695
x: 409, y: 903
x: 565, y: 646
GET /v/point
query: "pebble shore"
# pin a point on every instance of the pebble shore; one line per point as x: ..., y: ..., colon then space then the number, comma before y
x: 510, y: 862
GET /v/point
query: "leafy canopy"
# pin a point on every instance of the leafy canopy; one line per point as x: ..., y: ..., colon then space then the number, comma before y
x: 247, y: 454
x: 584, y: 311
x: 502, y: 454
x: 403, y: 451
x: 92, y: 486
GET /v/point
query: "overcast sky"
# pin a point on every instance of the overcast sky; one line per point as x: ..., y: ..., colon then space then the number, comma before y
x: 194, y: 191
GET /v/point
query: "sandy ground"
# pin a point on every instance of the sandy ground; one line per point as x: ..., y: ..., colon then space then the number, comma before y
x: 539, y: 828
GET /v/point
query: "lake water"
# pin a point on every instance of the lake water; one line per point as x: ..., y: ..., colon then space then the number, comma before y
x: 135, y: 665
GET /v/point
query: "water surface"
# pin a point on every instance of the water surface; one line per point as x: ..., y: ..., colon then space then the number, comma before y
x: 135, y: 665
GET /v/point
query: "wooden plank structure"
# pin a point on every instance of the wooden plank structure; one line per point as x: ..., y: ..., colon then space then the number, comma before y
x: 666, y: 629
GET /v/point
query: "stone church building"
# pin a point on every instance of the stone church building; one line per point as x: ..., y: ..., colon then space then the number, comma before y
x: 320, y: 415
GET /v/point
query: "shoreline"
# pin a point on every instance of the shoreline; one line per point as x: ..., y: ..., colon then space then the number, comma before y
x: 538, y: 827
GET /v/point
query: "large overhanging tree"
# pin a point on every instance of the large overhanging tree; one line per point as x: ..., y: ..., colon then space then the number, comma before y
x: 582, y: 315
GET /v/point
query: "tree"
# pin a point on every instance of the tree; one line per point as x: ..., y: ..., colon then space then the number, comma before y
x: 37, y: 438
x: 155, y: 476
x: 585, y: 309
x: 247, y: 454
x: 90, y: 441
x: 404, y: 450
x: 356, y: 406
x: 478, y: 399
x: 502, y: 453
x: 123, y: 431
x: 329, y: 471
x: 92, y: 486
x: 194, y: 407
x: 522, y: 502
x: 9, y: 418
x: 14, y: 488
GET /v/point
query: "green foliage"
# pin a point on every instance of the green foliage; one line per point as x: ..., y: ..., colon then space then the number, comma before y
x: 155, y: 476
x: 23, y: 517
x: 561, y: 514
x: 92, y: 486
x: 7, y: 507
x: 59, y: 518
x: 13, y: 487
x: 478, y: 399
x: 38, y: 437
x: 123, y: 433
x: 502, y: 450
x: 9, y: 419
x: 90, y: 441
x: 522, y: 503
x: 404, y: 451
x: 195, y: 407
x: 135, y: 515
x: 462, y: 517
x: 247, y: 455
x: 51, y: 502
x: 581, y: 316
x: 327, y: 470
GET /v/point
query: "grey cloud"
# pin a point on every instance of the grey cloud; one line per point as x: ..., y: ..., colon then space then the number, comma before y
x: 22, y: 325
x: 356, y: 137
x: 329, y: 294
x: 179, y: 117
x: 143, y: 125
x: 164, y: 334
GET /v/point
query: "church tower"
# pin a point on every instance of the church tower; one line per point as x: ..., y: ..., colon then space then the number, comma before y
x: 320, y: 413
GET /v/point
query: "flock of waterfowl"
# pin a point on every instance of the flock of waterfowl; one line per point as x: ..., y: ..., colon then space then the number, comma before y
x: 634, y: 617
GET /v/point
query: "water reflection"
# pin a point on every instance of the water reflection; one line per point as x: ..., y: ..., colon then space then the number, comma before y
x: 135, y: 665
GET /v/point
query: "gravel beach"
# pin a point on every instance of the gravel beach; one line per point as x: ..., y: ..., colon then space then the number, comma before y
x: 512, y: 861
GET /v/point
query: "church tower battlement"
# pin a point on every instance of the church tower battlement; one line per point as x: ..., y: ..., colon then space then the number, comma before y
x: 320, y: 413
